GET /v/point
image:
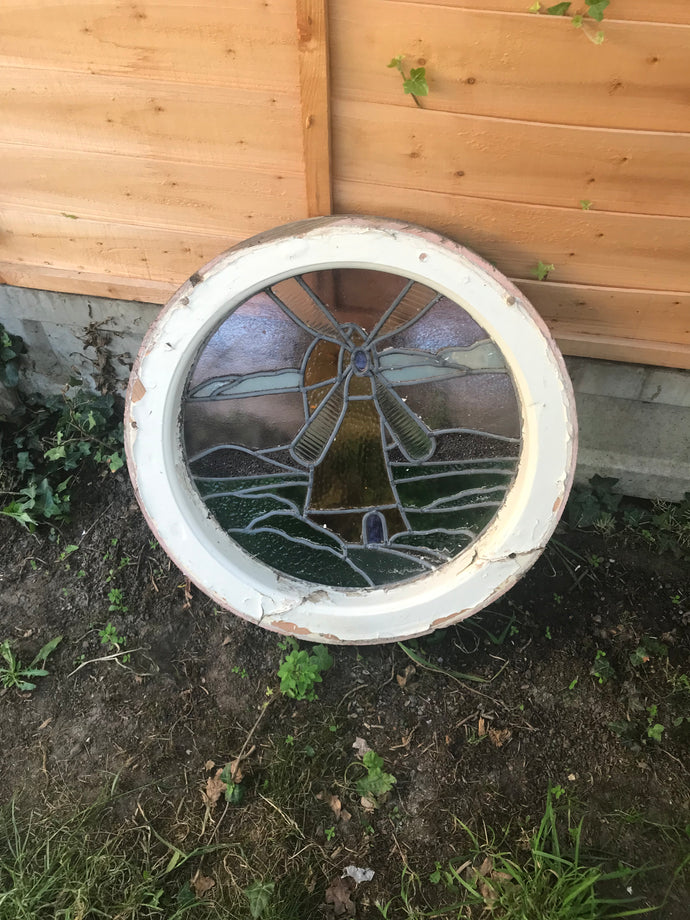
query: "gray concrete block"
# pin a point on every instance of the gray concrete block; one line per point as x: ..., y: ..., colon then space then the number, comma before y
x: 634, y: 420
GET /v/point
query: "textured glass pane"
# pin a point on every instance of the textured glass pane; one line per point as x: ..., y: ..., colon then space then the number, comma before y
x: 351, y: 428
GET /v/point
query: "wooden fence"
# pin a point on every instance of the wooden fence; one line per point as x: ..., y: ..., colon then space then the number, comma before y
x: 139, y: 139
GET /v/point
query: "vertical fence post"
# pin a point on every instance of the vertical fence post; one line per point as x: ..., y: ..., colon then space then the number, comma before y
x: 312, y: 44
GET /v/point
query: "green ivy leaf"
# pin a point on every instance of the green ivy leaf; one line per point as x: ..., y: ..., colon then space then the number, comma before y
x: 259, y: 895
x: 536, y: 6
x: 655, y: 731
x: 577, y: 21
x: 9, y: 374
x: 396, y: 62
x: 596, y: 8
x: 598, y: 38
x: 558, y: 9
x: 55, y: 453
x: 542, y: 270
x: 416, y: 84
x: 585, y: 204
x: 115, y: 462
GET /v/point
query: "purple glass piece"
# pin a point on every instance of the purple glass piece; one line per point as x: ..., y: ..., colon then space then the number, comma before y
x: 360, y: 359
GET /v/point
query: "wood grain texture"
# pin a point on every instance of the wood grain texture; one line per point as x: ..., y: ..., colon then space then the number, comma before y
x: 608, y: 348
x: 639, y: 173
x: 150, y: 192
x: 54, y: 252
x: 106, y: 247
x: 251, y: 129
x: 69, y: 281
x: 513, y: 66
x: 247, y: 44
x: 656, y: 316
x: 587, y: 247
x: 664, y: 11
x: 312, y: 47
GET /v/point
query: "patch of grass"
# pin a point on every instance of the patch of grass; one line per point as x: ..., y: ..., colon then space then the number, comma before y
x: 72, y: 865
x: 550, y: 880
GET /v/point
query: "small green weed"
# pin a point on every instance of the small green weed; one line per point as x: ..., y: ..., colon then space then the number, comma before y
x: 113, y: 643
x: 47, y: 443
x: 301, y: 670
x: 647, y: 649
x: 116, y: 596
x: 415, y: 85
x: 12, y: 347
x: 587, y: 504
x: 543, y: 270
x: 259, y: 895
x: 376, y: 783
x: 654, y: 729
x: 602, y: 668
x: 14, y: 674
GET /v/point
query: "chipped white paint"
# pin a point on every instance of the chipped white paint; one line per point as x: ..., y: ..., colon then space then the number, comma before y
x: 235, y: 580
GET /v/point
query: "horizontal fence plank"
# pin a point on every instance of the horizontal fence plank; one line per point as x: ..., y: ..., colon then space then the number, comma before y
x: 253, y: 129
x: 520, y: 67
x: 511, y: 161
x: 586, y: 247
x: 170, y: 195
x: 50, y: 240
x: 656, y: 316
x: 570, y: 341
x: 118, y: 260
x: 637, y: 351
x: 665, y: 11
x: 244, y: 43
x: 68, y: 281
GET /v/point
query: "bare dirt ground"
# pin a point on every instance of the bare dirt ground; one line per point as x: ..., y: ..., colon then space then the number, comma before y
x: 584, y: 688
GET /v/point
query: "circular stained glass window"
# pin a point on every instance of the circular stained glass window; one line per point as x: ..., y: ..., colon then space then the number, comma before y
x: 350, y: 429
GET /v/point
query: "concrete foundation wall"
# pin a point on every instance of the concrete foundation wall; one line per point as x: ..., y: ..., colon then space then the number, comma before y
x: 634, y: 420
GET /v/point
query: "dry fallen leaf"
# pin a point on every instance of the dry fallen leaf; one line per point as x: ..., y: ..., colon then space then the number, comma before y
x: 499, y: 736
x: 481, y: 728
x: 486, y: 866
x: 201, y: 884
x: 368, y: 805
x: 235, y: 772
x: 361, y: 747
x: 215, y: 787
x: 227, y: 640
x: 403, y: 678
x: 338, y: 894
x: 209, y: 765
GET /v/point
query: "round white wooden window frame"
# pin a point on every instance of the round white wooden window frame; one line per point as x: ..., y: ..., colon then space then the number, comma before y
x: 238, y: 582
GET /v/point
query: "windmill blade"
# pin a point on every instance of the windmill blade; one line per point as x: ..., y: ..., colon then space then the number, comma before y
x: 305, y: 307
x: 314, y: 439
x: 398, y: 367
x: 261, y: 383
x: 410, y: 305
x: 411, y: 434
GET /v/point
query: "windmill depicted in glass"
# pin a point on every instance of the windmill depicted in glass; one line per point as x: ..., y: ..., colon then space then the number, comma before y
x: 354, y: 418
